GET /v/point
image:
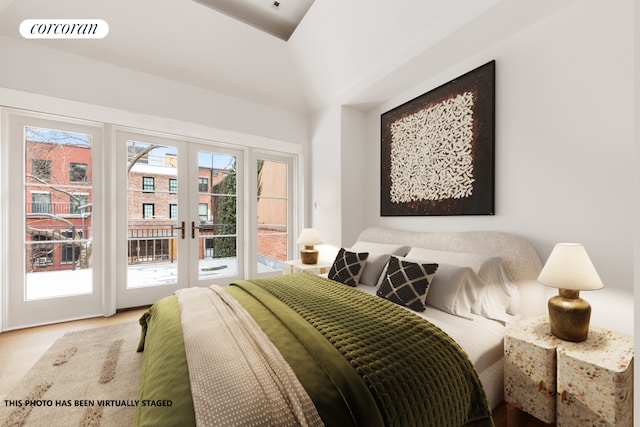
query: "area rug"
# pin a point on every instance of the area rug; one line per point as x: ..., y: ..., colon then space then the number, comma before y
x: 86, y: 378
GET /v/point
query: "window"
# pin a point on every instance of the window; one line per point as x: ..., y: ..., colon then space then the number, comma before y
x: 148, y: 210
x: 42, y: 253
x: 273, y: 212
x: 203, y: 212
x: 40, y: 149
x: 78, y: 172
x: 209, y: 247
x: 41, y: 203
x: 71, y: 252
x: 203, y: 185
x: 173, y: 185
x: 152, y: 210
x: 78, y: 204
x: 41, y: 169
x: 149, y: 250
x: 148, y: 184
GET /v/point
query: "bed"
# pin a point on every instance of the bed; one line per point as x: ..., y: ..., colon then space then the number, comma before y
x: 352, y: 348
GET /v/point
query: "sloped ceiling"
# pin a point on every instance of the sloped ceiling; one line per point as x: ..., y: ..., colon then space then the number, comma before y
x: 341, y: 49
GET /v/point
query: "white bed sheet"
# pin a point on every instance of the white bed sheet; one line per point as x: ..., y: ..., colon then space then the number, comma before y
x: 482, y: 339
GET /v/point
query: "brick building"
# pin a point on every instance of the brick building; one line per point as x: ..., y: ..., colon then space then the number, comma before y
x: 58, y: 195
x: 58, y: 198
x: 152, y: 208
x: 272, y: 213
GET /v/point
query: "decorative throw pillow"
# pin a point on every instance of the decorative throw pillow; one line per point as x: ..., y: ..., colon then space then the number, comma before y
x: 348, y: 266
x: 406, y: 283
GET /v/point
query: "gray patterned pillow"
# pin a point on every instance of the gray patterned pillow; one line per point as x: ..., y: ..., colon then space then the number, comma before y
x: 348, y: 267
x: 406, y: 283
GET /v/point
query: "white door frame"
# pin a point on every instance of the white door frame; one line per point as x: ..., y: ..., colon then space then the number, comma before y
x: 193, y: 218
x: 18, y: 312
x: 141, y: 296
x: 188, y: 249
x: 291, y: 162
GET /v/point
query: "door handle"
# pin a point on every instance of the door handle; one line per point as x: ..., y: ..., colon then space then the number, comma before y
x: 204, y: 227
x: 182, y: 230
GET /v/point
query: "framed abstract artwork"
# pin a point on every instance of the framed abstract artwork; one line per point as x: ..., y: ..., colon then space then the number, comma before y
x: 437, y: 150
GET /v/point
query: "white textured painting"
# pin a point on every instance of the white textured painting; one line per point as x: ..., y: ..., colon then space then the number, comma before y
x: 437, y: 150
x: 431, y: 152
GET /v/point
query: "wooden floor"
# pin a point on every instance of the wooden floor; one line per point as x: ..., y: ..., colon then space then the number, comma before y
x: 506, y: 415
x: 21, y: 349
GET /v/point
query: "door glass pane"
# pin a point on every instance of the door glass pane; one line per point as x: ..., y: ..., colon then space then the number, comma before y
x: 217, y: 215
x: 272, y: 215
x: 58, y: 197
x: 152, y: 204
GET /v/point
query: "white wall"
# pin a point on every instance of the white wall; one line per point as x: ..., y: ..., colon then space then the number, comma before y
x: 355, y: 174
x: 337, y: 180
x: 325, y: 177
x: 38, y: 70
x: 564, y: 145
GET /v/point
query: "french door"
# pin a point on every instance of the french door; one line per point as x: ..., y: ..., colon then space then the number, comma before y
x: 272, y: 178
x: 181, y: 204
x: 98, y: 218
x: 55, y: 222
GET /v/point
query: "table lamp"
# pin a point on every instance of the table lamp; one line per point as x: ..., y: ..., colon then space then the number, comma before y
x: 569, y: 269
x: 308, y: 238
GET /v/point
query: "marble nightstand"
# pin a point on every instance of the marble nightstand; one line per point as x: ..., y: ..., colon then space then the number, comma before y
x: 595, y: 381
x: 530, y: 368
x: 296, y: 266
x: 572, y: 384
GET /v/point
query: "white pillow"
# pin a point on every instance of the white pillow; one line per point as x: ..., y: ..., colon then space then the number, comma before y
x: 454, y: 289
x: 497, y: 296
x: 379, y: 254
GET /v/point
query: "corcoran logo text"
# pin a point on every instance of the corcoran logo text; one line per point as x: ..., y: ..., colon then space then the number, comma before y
x: 64, y: 29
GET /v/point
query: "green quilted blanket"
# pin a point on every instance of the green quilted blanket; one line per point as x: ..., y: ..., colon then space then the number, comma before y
x: 416, y: 374
x: 363, y: 361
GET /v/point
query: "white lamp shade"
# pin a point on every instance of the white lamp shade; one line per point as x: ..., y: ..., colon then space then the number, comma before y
x: 569, y: 267
x: 309, y: 237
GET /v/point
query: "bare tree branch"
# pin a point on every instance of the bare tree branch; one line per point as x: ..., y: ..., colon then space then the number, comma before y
x: 139, y: 155
x: 53, y: 187
x: 50, y: 216
x: 68, y: 139
x: 57, y: 137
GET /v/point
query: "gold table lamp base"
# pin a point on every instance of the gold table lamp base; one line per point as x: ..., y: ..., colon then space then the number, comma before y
x: 569, y: 316
x: 309, y: 255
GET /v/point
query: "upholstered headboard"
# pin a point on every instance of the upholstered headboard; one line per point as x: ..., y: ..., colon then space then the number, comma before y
x: 521, y: 259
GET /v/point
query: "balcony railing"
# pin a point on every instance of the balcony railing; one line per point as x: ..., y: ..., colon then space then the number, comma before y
x: 62, y: 209
x: 137, y: 232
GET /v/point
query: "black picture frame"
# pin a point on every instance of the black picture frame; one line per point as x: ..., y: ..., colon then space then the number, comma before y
x: 437, y: 150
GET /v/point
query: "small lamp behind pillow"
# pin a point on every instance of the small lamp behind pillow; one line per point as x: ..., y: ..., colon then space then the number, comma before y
x: 308, y: 238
